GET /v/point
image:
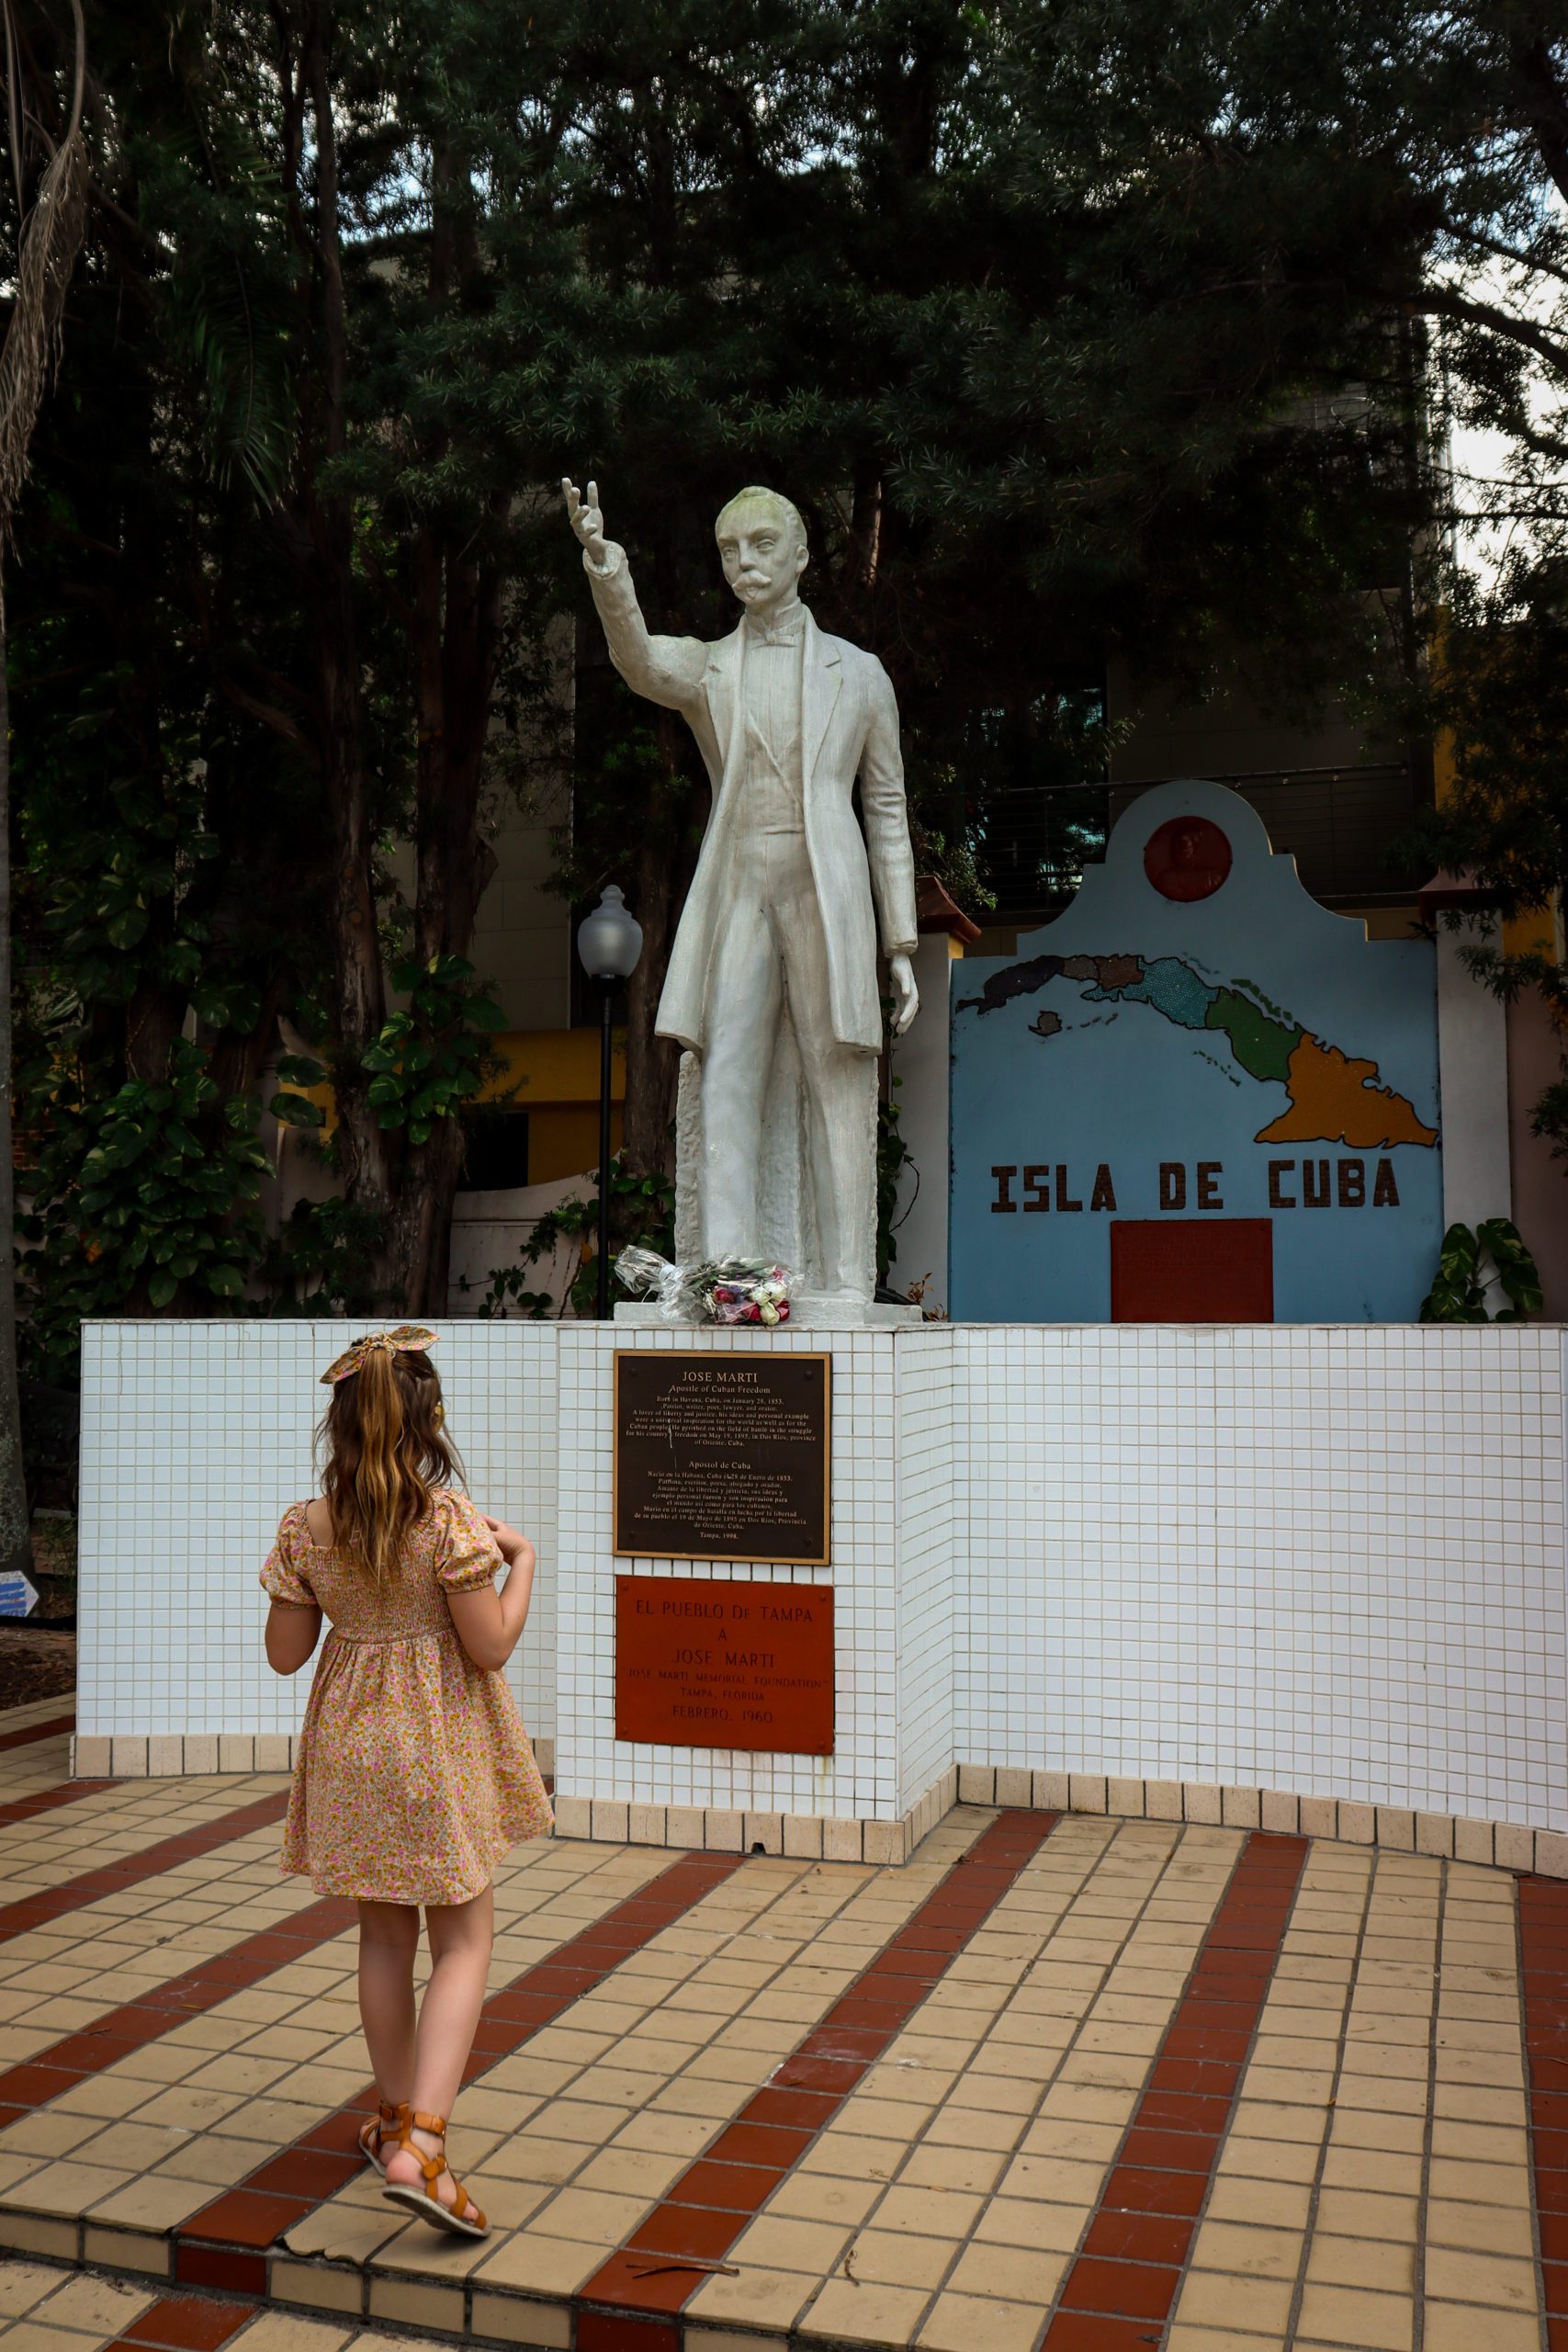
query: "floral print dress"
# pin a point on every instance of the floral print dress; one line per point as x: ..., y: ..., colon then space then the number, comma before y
x: 414, y: 1773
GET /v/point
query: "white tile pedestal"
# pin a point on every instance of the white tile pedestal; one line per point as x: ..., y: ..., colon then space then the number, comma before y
x: 892, y: 1771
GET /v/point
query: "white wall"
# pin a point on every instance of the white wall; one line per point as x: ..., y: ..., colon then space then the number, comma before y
x: 922, y: 1062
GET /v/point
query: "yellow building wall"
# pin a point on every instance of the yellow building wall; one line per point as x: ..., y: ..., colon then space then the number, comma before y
x: 553, y: 1074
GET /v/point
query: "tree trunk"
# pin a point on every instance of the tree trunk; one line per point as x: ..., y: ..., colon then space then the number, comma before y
x: 16, y: 1538
x: 360, y: 991
x: 456, y: 633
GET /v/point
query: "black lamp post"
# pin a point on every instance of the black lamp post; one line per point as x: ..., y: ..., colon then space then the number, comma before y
x: 608, y: 944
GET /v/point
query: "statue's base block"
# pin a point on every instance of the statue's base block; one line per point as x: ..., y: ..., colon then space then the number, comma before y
x: 890, y: 1774
x: 810, y: 1310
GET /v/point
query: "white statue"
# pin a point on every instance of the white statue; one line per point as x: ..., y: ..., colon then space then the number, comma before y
x: 772, y: 984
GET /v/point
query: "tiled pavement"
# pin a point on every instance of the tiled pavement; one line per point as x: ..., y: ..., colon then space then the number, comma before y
x: 1071, y: 2085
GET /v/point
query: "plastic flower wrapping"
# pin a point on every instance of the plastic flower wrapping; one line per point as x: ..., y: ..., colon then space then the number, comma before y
x: 720, y: 1290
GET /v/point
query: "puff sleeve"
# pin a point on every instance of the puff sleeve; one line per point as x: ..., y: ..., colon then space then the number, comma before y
x: 282, y: 1575
x: 469, y: 1555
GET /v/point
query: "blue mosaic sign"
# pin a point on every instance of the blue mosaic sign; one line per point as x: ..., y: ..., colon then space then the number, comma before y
x: 1196, y: 1096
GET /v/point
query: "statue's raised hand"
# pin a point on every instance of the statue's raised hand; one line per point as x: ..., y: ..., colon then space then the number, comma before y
x: 587, y: 519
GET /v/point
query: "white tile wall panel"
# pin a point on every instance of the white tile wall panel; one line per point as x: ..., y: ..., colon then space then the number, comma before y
x: 1327, y: 1560
x: 194, y: 1437
x: 1320, y: 1559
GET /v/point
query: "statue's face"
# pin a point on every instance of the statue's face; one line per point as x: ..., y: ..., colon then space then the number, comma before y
x: 761, y: 553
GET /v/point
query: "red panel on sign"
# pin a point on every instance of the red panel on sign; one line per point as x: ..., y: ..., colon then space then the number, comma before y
x: 707, y: 1662
x: 1192, y: 1270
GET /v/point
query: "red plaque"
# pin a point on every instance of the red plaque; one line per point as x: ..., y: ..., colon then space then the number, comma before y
x: 1192, y: 1270
x: 1186, y: 858
x: 701, y: 1662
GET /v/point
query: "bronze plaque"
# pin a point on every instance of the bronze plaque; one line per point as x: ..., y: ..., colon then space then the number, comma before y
x: 722, y: 1456
x: 702, y: 1662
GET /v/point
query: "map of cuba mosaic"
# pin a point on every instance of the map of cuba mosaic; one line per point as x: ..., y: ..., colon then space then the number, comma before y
x: 1334, y: 1098
x: 1198, y: 1094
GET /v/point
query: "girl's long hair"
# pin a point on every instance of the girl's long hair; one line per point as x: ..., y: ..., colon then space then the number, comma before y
x: 384, y: 1451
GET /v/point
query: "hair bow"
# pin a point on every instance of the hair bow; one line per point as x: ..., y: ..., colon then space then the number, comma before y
x: 398, y: 1342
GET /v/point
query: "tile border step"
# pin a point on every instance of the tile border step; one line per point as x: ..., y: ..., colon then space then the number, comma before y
x: 1504, y: 1845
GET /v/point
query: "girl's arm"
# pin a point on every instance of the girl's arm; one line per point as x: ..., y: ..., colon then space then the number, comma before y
x: 490, y: 1623
x: 291, y: 1634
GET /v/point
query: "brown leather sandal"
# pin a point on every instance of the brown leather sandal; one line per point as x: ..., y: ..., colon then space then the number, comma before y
x: 391, y: 2125
x: 462, y: 2217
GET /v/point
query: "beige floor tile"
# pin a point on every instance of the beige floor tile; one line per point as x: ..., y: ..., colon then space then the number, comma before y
x: 1246, y: 2251
x: 549, y: 2266
x: 1349, y: 2214
x: 67, y: 2187
x: 1478, y: 2184
x: 1289, y: 2161
x: 1462, y: 2327
x: 1377, y: 2263
x: 633, y: 2172
x: 99, y: 2307
x: 23, y: 2284
x: 1488, y: 2229
x: 1272, y: 2204
x: 1382, y: 2169
x: 1351, y: 2315
x: 960, y: 2322
x: 934, y: 2167
x: 929, y: 2212
x: 1454, y: 2274
x: 846, y: 2313
x: 823, y: 2197
x: 852, y: 2154
x: 893, y: 2258
x: 780, y: 2244
x: 959, y: 2125
x: 1017, y: 2274
x: 1211, y: 2299
x: 594, y: 2216
x: 767, y: 2299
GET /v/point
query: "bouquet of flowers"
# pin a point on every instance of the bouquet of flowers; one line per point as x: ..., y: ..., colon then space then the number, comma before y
x: 743, y: 1290
x: 722, y: 1290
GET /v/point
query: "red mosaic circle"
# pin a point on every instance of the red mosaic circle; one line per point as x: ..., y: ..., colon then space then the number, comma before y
x: 1186, y: 858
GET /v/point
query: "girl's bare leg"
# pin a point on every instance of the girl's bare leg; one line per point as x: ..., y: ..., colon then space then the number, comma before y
x: 389, y: 1939
x: 460, y: 1937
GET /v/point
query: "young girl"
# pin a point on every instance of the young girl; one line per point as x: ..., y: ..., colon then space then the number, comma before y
x: 414, y: 1773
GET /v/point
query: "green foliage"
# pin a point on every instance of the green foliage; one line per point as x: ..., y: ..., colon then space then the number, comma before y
x: 141, y: 1195
x: 1463, y: 1278
x: 508, y: 1290
x: 431, y: 1059
x: 326, y: 1256
x: 1501, y: 696
x: 642, y: 1209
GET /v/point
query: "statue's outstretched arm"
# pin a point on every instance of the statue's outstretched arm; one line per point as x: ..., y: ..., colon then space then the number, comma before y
x: 667, y: 669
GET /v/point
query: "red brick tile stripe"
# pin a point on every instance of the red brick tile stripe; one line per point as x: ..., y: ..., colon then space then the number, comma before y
x: 126, y: 1870
x: 1118, y: 2292
x: 631, y: 2300
x: 222, y: 2245
x: 46, y: 1800
x: 52, y: 1729
x: 1543, y: 1959
x: 184, y: 2323
x: 136, y: 2023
